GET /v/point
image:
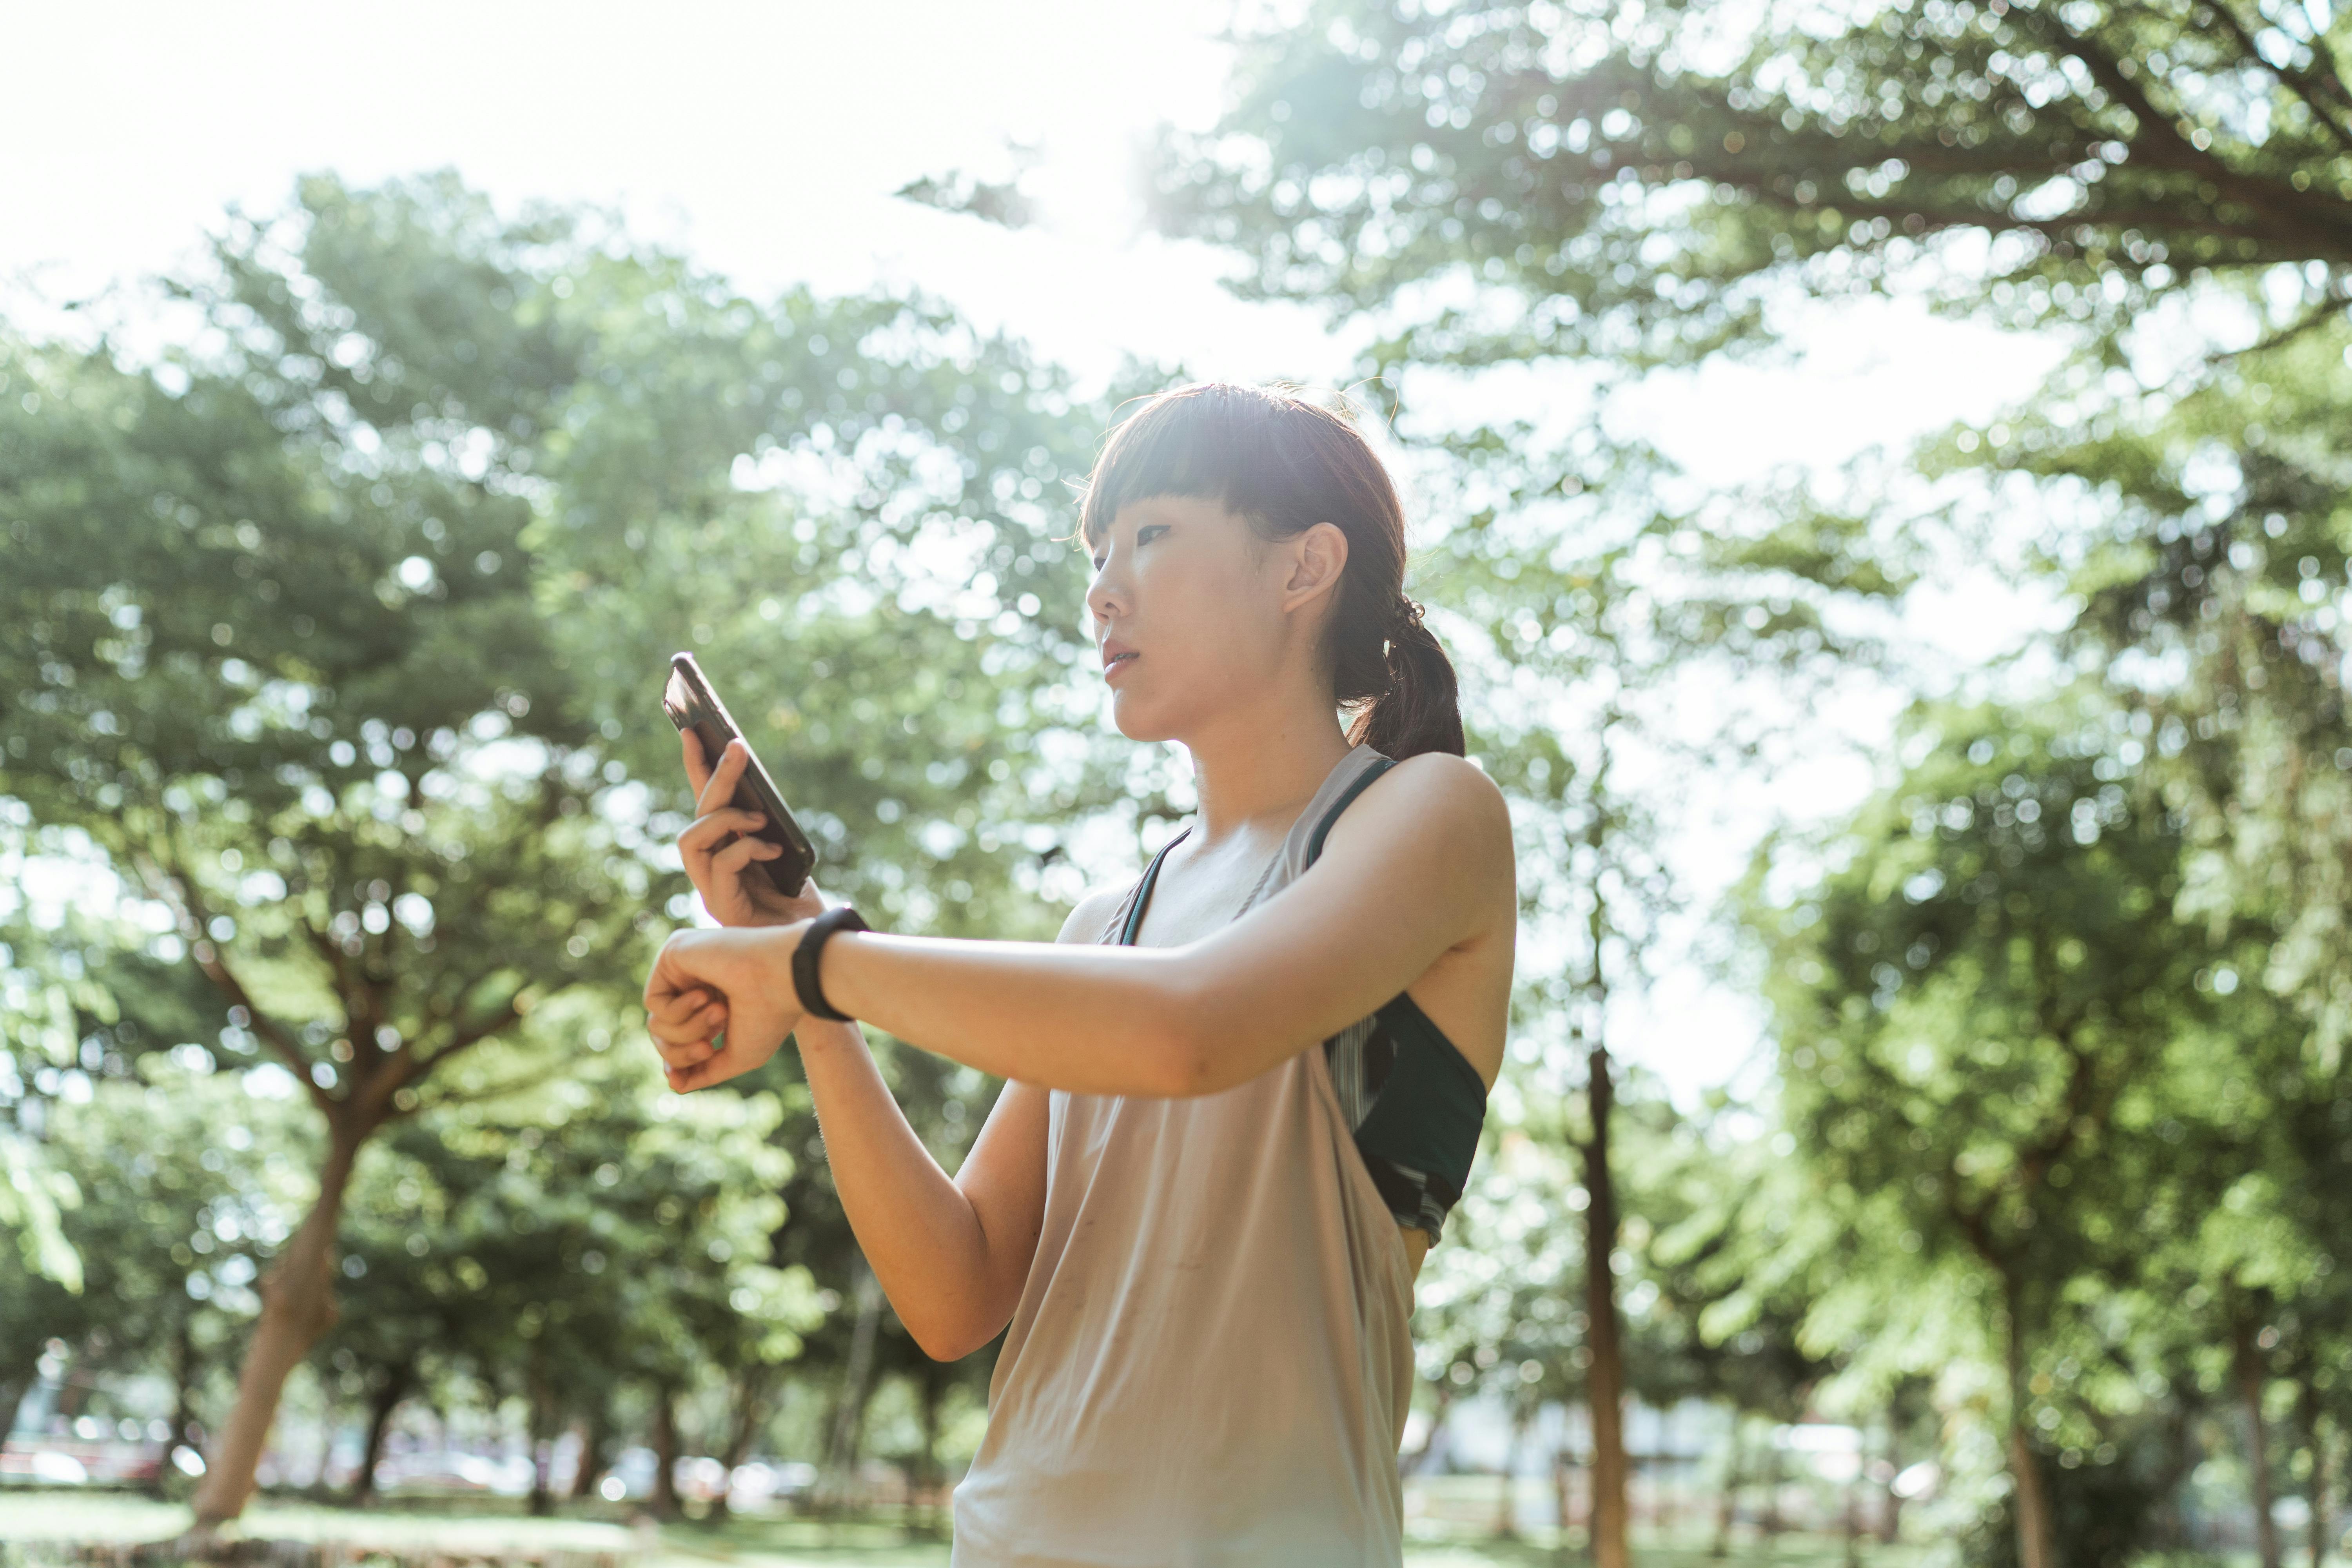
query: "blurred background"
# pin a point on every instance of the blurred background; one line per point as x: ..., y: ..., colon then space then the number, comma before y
x: 1881, y: 471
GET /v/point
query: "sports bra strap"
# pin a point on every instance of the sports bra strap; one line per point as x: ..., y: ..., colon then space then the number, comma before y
x: 1142, y: 896
x: 1323, y: 828
x: 1143, y: 892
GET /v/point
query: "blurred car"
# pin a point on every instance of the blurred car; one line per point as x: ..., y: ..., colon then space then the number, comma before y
x: 64, y: 1462
x: 453, y: 1470
x: 760, y: 1482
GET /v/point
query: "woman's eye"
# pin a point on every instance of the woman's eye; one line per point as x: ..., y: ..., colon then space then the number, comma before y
x: 1140, y: 534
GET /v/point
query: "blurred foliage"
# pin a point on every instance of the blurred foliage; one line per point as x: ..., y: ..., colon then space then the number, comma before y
x: 330, y: 637
x: 2060, y: 1014
x: 355, y: 703
x: 1641, y: 177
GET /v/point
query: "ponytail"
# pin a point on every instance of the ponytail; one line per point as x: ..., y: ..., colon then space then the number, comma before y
x: 1421, y: 710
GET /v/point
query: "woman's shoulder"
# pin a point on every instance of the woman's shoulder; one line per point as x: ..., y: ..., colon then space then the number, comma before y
x: 1439, y: 787
x: 1433, y: 815
x: 1091, y: 915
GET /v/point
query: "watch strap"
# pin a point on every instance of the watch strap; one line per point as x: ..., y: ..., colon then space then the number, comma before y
x: 842, y: 917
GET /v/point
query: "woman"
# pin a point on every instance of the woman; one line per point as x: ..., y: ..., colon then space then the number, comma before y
x: 1240, y: 1095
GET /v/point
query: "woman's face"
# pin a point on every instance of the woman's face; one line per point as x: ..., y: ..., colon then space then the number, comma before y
x: 1190, y: 611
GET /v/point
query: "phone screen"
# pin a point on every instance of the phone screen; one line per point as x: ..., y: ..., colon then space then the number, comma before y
x: 691, y: 704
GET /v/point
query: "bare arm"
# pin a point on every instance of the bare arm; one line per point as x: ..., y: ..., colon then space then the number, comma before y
x: 1420, y: 865
x: 951, y: 1254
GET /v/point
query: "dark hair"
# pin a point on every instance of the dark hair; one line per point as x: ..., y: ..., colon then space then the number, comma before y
x: 1286, y: 464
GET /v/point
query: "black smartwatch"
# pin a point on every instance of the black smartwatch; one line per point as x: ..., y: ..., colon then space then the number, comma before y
x: 805, y: 959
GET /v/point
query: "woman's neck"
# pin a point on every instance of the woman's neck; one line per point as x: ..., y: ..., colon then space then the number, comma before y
x: 1259, y: 772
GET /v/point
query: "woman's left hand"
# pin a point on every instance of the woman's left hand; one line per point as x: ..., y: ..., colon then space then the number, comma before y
x: 735, y: 981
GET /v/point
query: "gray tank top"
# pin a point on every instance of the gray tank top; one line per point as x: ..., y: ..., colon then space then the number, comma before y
x: 1210, y: 1362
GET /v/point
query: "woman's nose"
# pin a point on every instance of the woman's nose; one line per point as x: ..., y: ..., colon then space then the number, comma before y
x: 1104, y: 597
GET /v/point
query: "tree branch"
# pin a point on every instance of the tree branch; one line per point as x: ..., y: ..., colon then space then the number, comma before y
x: 332, y: 952
x: 468, y: 1039
x: 2303, y: 84
x: 2180, y: 153
x: 158, y: 868
x: 2286, y: 206
x: 512, y: 1086
x: 2327, y: 309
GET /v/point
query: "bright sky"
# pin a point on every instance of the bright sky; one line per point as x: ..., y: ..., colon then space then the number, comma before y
x: 766, y: 138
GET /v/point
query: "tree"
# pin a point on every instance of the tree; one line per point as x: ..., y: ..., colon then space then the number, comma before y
x: 1541, y: 183
x: 388, y: 545
x: 120, y: 1265
x: 2211, y: 574
x: 1642, y: 183
x: 39, y: 997
x: 1741, y: 1253
x: 246, y: 704
x: 1594, y: 601
x: 1535, y: 184
x: 1986, y: 1015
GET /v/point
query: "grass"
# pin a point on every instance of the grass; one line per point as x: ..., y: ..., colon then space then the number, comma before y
x: 1438, y: 1534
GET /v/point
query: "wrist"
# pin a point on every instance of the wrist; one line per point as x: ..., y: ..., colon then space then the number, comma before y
x: 808, y: 954
x: 823, y: 1035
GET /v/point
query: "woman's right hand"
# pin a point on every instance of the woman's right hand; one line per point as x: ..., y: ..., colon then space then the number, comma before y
x: 733, y: 890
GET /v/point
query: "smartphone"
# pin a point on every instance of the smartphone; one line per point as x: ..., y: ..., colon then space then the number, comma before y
x: 692, y: 705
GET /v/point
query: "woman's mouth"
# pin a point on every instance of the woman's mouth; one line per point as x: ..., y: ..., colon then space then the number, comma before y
x: 1118, y: 662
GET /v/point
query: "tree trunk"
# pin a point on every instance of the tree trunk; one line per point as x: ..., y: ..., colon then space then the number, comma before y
x: 593, y: 1438
x: 1771, y: 1524
x: 542, y: 1437
x: 1412, y: 1463
x: 1506, y: 1522
x: 849, y: 1415
x: 13, y: 1389
x: 298, y: 1305
x: 2252, y: 1375
x: 2315, y: 1440
x: 1727, y: 1507
x: 1605, y: 1378
x: 2037, y: 1545
x: 664, y: 1501
x: 185, y: 1375
x: 73, y: 1393
x: 934, y: 1473
x: 1890, y: 1520
x: 2179, y: 1459
x: 748, y: 1415
x: 156, y: 1487
x: 380, y: 1409
x: 1562, y: 1502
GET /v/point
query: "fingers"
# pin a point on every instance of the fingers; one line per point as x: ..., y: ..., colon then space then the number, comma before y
x: 742, y: 852
x: 685, y: 1045
x: 706, y: 831
x: 717, y: 1066
x: 697, y: 771
x: 695, y: 1027
x: 715, y: 1069
x: 675, y: 1007
x: 676, y: 1059
x: 720, y: 787
x: 683, y: 1023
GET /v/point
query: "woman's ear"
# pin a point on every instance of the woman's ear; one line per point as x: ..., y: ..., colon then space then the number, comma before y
x: 1317, y: 556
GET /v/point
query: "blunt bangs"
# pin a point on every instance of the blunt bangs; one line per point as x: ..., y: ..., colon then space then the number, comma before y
x: 1207, y: 442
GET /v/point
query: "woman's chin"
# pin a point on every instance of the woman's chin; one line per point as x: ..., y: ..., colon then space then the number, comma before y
x: 1136, y: 721
x: 1145, y: 734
